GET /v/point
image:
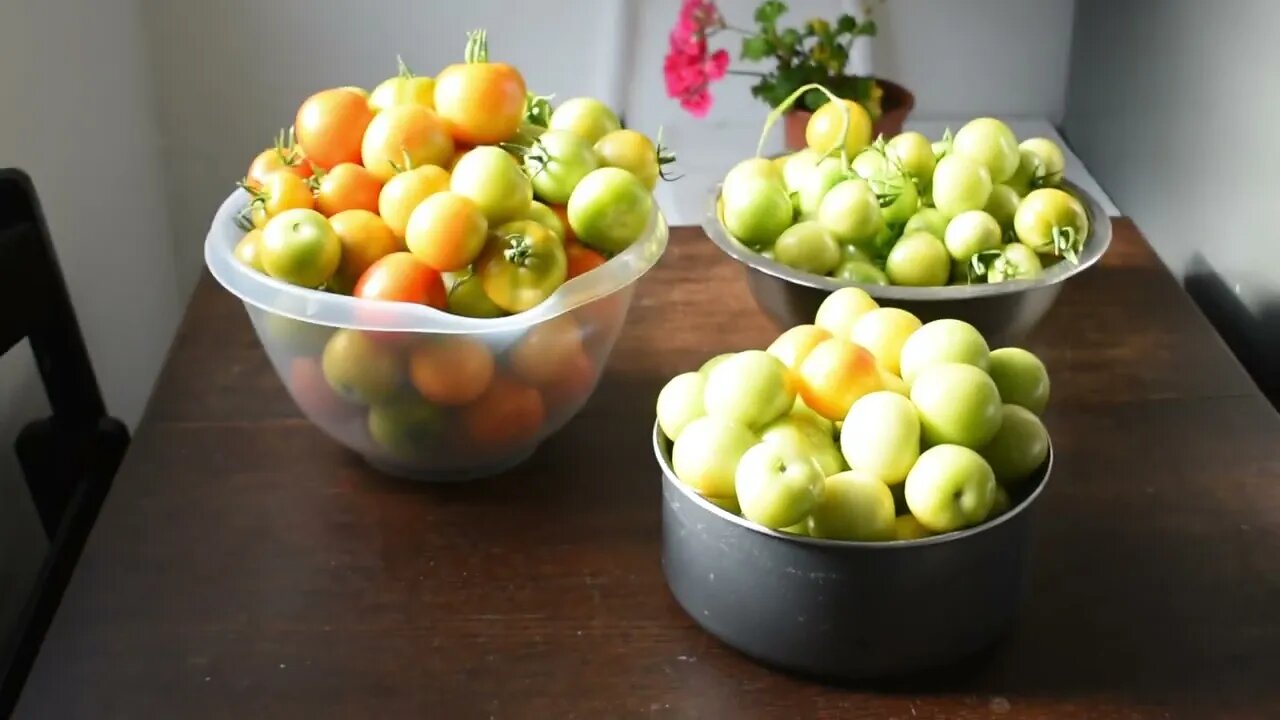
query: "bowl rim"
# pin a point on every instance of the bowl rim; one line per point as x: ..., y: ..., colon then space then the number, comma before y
x: 669, y: 476
x: 306, y: 304
x: 1096, y: 244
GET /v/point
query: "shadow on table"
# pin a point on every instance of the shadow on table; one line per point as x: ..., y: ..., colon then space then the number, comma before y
x: 1253, y: 334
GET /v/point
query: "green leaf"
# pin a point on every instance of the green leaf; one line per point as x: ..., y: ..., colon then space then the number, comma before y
x: 790, y: 38
x: 814, y: 99
x: 846, y: 24
x: 867, y: 28
x: 755, y: 47
x: 769, y: 11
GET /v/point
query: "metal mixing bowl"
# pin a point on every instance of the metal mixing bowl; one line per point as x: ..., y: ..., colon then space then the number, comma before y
x: 1004, y: 312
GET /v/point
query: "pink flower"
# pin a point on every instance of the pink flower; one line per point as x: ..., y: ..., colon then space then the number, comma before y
x: 687, y: 68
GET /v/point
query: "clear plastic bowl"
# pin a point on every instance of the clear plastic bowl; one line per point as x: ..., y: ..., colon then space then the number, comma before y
x: 497, y: 387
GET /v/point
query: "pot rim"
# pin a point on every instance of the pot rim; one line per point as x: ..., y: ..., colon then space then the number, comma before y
x: 669, y: 476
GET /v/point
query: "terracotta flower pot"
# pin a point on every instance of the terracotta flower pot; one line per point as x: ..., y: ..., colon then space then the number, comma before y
x: 896, y: 105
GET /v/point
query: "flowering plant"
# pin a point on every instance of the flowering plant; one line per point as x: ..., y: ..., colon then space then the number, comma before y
x: 816, y: 53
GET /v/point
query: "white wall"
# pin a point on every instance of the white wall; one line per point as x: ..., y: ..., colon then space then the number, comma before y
x: 78, y: 116
x: 1174, y: 105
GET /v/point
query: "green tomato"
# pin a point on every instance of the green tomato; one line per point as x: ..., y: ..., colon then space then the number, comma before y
x: 1016, y: 262
x: 1000, y: 504
x: 958, y: 405
x: 546, y: 217
x: 711, y: 364
x: 798, y: 432
x: 467, y: 298
x: 960, y: 184
x: 883, y: 332
x: 850, y: 253
x: 705, y: 456
x: 609, y: 209
x: 870, y: 163
x: 1051, y: 221
x: 361, y: 369
x: 778, y: 484
x: 744, y: 174
x: 633, y: 152
x: 409, y: 428
x: 1029, y: 173
x: 949, y: 488
x: 585, y: 117
x: 943, y: 341
x: 880, y: 437
x: 800, y: 411
x: 756, y: 212
x: 522, y: 265
x: 971, y: 232
x: 905, y: 198
x: 680, y: 403
x: 991, y: 143
x: 752, y: 388
x: 494, y: 182
x: 919, y: 260
x: 930, y: 220
x: 851, y: 211
x: 861, y: 272
x: 907, y: 527
x: 300, y: 247
x: 1018, y: 448
x: 1052, y: 161
x: 854, y: 506
x: 556, y: 163
x: 1002, y: 205
x: 914, y: 154
x: 807, y: 246
x: 1021, y: 378
x: 797, y: 167
x: 824, y: 176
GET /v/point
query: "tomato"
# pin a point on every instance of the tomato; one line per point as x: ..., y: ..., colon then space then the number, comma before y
x: 403, y: 89
x: 794, y: 345
x: 562, y: 212
x: 841, y: 309
x: 556, y: 163
x: 507, y: 416
x: 409, y: 428
x: 823, y: 133
x: 1052, y: 162
x: 404, y: 137
x: 1002, y: 205
x: 284, y: 156
x: 899, y: 192
x: 314, y: 396
x: 757, y: 211
x: 572, y: 384
x: 747, y: 173
x: 1016, y: 262
x: 522, y: 265
x: 816, y: 184
x: 609, y: 209
x: 930, y: 220
x: 361, y: 369
x: 446, y: 231
x: 1021, y: 378
x: 280, y: 191
x: 809, y: 247
x: 971, y: 232
x: 1029, y: 173
x: 631, y: 151
x: 524, y: 138
x: 1050, y: 221
x: 835, y: 374
x: 796, y: 168
x: 347, y: 187
x: 547, y: 218
x: 581, y: 259
x: 958, y: 404
x: 880, y: 438
x: 991, y: 144
x: 451, y: 369
x: 357, y: 90
x: 861, y: 272
x: 402, y: 193
x: 960, y: 184
x: 283, y: 334
x: 249, y: 250
x: 943, y: 341
x: 545, y: 349
x: 883, y: 332
x: 330, y: 126
x: 467, y: 298
x: 365, y: 239
x: 493, y: 180
x: 914, y: 155
x: 482, y: 102
x: 300, y: 247
x: 401, y: 277
x: 585, y: 117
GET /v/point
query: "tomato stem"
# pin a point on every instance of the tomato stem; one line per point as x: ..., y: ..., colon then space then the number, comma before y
x: 477, y: 50
x: 537, y: 109
x: 1068, y: 243
x: 666, y: 156
x: 402, y: 70
x: 518, y: 250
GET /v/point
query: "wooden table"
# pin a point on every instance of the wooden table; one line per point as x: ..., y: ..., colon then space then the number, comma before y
x: 246, y: 567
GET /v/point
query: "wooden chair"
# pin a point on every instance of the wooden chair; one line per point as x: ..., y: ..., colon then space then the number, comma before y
x: 69, y: 458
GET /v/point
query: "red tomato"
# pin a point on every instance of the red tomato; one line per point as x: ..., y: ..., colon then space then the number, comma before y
x: 330, y: 126
x: 507, y: 416
x: 400, y: 277
x: 582, y: 259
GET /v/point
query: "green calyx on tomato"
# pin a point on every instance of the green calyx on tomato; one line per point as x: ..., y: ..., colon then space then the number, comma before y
x: 523, y: 266
x: 537, y: 109
x: 556, y: 162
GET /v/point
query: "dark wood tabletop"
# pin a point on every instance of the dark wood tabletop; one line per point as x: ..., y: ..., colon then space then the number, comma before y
x: 245, y: 566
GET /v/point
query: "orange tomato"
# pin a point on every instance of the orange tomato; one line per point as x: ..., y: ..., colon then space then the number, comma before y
x: 546, y: 349
x: 795, y: 344
x: 574, y: 381
x: 401, y: 277
x: 483, y: 102
x: 562, y: 212
x: 451, y: 370
x: 365, y: 240
x: 582, y: 259
x: 404, y: 137
x: 835, y: 374
x: 446, y: 231
x: 281, y: 157
x: 402, y: 193
x: 330, y: 126
x: 508, y: 415
x: 347, y: 187
x: 280, y: 191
